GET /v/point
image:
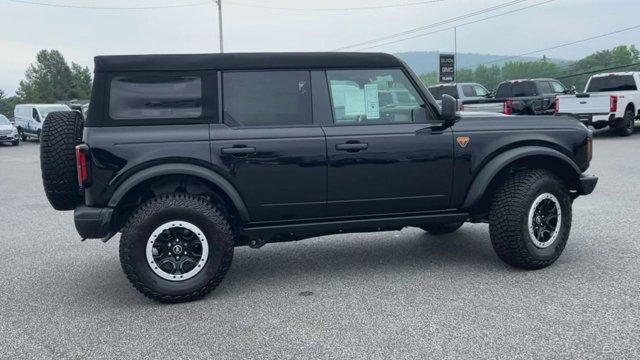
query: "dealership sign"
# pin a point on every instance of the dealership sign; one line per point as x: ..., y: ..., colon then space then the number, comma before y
x: 446, y: 70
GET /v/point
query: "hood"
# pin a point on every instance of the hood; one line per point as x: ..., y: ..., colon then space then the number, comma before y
x: 520, y: 122
x: 6, y: 127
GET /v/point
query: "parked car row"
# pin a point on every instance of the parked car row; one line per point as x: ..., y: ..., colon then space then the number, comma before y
x: 519, y: 97
x: 609, y: 100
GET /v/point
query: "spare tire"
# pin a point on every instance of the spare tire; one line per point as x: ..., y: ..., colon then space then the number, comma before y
x: 61, y: 132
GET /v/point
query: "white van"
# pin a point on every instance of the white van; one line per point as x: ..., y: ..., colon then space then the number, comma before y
x: 28, y: 118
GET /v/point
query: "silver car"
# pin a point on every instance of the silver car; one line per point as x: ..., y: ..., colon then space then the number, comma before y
x: 8, y: 133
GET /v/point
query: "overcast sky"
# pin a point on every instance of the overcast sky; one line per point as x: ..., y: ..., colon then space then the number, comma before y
x: 81, y: 34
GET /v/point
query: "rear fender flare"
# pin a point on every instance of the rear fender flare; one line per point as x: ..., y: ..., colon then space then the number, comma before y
x: 482, y: 181
x: 182, y: 169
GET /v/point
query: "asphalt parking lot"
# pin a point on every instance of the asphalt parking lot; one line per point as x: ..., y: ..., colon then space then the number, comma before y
x: 381, y: 295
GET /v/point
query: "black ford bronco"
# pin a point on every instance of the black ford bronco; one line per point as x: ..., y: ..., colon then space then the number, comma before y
x: 190, y: 155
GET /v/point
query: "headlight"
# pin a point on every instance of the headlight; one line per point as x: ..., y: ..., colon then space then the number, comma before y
x: 14, y: 131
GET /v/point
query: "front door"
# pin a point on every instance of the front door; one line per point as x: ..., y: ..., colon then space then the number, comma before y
x: 268, y: 145
x: 385, y: 156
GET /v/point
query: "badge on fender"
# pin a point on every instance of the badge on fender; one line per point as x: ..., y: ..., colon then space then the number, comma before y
x: 463, y: 141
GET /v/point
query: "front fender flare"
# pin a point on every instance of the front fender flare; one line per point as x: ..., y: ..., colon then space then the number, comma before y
x: 494, y: 166
x: 182, y: 169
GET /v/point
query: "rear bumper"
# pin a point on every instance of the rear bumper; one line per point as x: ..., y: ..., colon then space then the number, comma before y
x: 92, y: 222
x: 587, y: 184
x: 597, y: 120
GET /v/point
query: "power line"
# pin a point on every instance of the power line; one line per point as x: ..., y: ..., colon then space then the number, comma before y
x: 456, y: 26
x: 443, y: 22
x: 27, y: 2
x: 556, y: 46
x: 335, y: 9
x: 596, y: 71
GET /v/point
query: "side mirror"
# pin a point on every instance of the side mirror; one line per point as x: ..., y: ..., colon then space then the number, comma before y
x: 449, y: 110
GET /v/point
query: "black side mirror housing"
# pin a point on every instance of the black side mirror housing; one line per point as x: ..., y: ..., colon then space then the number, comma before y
x: 449, y: 110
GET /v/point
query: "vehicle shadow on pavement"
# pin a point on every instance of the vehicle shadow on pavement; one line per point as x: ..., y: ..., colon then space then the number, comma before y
x: 361, y: 255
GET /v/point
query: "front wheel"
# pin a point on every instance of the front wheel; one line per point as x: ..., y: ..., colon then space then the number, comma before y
x: 15, y: 143
x: 530, y: 219
x: 176, y: 248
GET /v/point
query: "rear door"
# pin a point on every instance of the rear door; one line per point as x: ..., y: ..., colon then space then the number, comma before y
x: 269, y: 146
x: 384, y: 157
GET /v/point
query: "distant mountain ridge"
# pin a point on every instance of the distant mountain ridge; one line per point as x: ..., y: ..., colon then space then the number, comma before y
x: 424, y: 62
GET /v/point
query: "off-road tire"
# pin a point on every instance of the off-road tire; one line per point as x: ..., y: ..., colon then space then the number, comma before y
x: 627, y: 123
x: 61, y: 132
x: 183, y: 207
x: 509, y: 218
x: 442, y: 228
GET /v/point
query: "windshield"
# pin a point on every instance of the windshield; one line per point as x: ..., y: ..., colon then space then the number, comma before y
x: 612, y: 83
x: 4, y: 120
x: 45, y: 110
x: 438, y: 91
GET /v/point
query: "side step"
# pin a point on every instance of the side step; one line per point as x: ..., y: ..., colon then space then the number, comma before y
x: 369, y: 224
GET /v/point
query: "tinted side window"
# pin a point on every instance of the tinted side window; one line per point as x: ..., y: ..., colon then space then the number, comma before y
x: 260, y: 98
x: 504, y: 90
x: 155, y: 97
x: 545, y: 87
x: 524, y: 88
x: 468, y: 91
x: 372, y: 96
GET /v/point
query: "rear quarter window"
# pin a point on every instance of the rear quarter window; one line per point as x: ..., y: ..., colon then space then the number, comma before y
x: 140, y: 97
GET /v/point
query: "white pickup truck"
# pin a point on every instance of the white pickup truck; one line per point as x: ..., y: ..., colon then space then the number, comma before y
x: 611, y: 99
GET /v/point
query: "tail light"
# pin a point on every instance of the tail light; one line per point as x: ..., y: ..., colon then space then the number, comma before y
x: 556, y: 105
x: 508, y: 107
x: 461, y: 106
x: 613, y: 103
x: 82, y: 164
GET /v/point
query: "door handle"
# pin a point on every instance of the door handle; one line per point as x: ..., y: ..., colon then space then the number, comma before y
x: 238, y: 150
x: 352, y: 147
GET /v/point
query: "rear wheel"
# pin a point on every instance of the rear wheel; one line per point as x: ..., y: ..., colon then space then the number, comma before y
x: 442, y: 228
x: 61, y: 132
x: 627, y: 125
x: 176, y: 248
x: 530, y: 219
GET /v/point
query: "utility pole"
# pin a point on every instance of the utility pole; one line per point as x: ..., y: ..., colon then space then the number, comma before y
x: 219, y: 4
x: 455, y: 54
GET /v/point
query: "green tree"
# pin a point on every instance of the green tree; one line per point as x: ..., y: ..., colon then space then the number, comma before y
x: 7, y: 104
x: 490, y: 77
x: 81, y: 82
x: 51, y: 79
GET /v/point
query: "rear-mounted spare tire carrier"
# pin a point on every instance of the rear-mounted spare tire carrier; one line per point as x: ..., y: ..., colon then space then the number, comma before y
x: 61, y: 132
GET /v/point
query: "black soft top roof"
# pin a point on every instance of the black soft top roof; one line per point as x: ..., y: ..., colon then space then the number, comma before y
x: 241, y: 61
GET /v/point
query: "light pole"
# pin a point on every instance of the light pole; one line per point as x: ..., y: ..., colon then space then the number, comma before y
x: 219, y: 4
